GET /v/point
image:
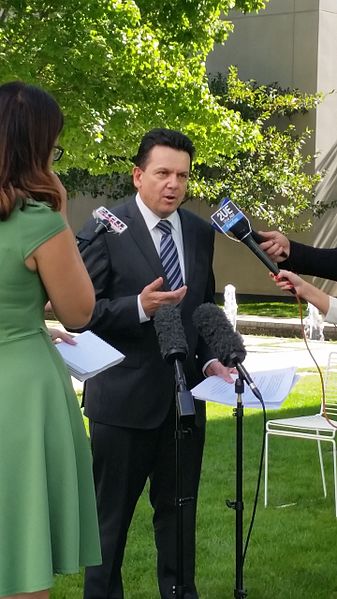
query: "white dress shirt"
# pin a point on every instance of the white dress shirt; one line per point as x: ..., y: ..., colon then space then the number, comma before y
x: 151, y: 220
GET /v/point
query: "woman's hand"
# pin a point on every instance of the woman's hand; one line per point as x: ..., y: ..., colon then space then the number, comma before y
x: 58, y: 335
x: 287, y: 279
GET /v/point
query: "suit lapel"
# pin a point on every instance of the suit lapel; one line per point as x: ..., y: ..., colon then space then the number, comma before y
x: 143, y: 240
x: 190, y: 245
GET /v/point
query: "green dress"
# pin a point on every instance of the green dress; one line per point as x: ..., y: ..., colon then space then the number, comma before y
x: 48, y: 521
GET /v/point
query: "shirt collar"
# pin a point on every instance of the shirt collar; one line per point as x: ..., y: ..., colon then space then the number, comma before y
x: 152, y: 219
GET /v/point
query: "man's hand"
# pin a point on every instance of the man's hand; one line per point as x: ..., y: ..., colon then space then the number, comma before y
x: 152, y: 298
x: 215, y: 368
x: 277, y: 245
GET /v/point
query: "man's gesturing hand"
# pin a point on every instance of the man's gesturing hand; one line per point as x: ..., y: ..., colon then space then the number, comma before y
x: 152, y: 298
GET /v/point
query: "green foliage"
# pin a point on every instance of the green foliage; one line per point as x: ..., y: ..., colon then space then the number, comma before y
x: 120, y: 67
x: 272, y: 180
x: 112, y: 187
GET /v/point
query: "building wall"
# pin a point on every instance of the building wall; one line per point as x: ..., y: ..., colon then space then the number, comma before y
x: 294, y: 43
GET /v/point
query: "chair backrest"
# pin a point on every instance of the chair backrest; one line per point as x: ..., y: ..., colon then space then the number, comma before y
x: 330, y: 385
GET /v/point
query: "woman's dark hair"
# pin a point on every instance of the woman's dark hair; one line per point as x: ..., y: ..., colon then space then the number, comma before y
x: 30, y: 122
x: 162, y: 137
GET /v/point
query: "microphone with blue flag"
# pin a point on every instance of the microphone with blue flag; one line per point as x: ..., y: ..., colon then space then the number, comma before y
x: 229, y: 218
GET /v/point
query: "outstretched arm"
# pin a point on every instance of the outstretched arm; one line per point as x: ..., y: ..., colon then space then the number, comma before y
x: 287, y: 279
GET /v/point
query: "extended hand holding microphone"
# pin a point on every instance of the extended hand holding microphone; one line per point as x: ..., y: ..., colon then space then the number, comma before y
x: 229, y: 218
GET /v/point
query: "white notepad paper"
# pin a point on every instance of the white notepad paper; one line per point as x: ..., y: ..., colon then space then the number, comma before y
x: 274, y: 386
x: 89, y: 356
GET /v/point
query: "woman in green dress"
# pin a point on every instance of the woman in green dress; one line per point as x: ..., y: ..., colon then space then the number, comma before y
x: 48, y: 521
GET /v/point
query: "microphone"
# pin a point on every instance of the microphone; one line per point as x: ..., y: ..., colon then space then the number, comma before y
x: 106, y: 221
x: 225, y: 343
x: 230, y: 218
x: 174, y: 349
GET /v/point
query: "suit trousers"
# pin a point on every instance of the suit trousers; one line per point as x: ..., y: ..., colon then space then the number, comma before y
x: 123, y: 459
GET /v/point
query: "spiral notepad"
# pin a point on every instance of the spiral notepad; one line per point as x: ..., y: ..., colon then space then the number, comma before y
x: 89, y: 356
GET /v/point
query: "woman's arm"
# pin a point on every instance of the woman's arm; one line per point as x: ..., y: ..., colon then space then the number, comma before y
x: 65, y: 279
x: 287, y: 279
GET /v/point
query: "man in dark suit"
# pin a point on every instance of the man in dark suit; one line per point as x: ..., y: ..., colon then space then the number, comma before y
x: 131, y: 406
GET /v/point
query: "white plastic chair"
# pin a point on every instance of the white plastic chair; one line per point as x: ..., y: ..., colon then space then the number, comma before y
x: 314, y: 427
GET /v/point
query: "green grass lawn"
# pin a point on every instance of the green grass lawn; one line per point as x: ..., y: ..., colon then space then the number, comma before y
x: 272, y: 309
x: 292, y: 552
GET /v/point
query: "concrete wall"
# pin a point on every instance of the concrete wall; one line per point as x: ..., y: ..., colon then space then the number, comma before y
x: 293, y: 42
x: 324, y: 232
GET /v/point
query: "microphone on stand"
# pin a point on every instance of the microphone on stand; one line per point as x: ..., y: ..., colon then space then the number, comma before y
x: 174, y: 349
x: 225, y: 343
x: 229, y: 218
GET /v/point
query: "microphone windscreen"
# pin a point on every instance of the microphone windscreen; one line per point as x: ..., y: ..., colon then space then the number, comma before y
x: 214, y: 327
x: 170, y: 333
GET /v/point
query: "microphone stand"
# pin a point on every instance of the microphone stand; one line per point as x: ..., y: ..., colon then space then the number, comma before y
x: 185, y: 413
x: 238, y: 504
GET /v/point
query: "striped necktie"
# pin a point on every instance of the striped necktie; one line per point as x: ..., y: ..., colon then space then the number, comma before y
x: 169, y: 256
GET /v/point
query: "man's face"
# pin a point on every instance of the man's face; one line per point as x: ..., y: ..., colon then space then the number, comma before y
x: 163, y: 181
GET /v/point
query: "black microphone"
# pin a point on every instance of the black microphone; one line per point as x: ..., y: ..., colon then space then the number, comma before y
x: 174, y: 349
x: 226, y: 344
x: 230, y: 218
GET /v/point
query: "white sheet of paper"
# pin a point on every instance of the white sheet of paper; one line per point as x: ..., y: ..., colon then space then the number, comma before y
x: 89, y: 356
x: 274, y: 386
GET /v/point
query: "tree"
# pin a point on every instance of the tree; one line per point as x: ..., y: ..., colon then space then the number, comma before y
x: 271, y: 181
x: 119, y: 67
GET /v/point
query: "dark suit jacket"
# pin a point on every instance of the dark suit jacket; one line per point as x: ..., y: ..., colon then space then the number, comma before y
x: 307, y: 260
x: 138, y: 392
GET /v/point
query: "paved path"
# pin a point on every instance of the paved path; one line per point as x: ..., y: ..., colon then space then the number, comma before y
x: 278, y: 352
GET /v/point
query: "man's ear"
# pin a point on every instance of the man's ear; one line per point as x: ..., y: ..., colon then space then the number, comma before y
x: 137, y: 174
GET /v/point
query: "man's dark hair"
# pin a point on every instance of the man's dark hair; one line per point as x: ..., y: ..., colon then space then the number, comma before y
x: 162, y: 137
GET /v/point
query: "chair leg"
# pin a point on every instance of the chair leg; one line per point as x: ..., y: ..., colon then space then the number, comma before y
x: 266, y: 470
x: 335, y: 473
x: 322, y: 465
